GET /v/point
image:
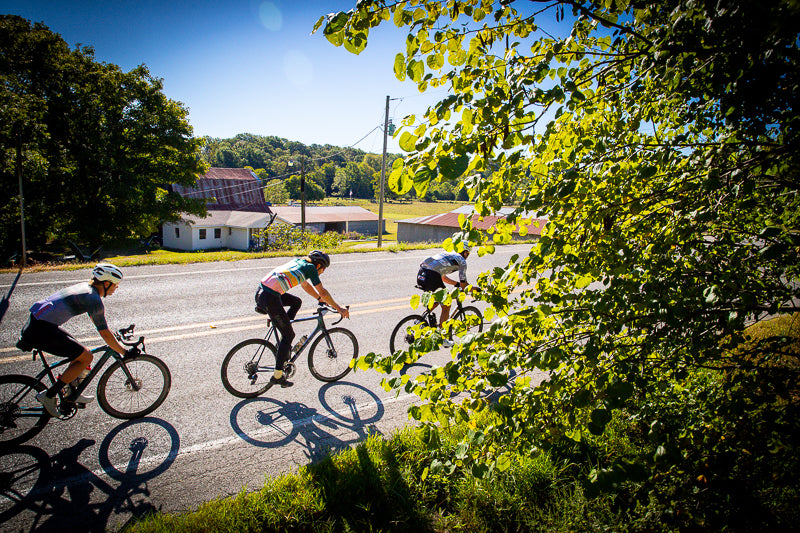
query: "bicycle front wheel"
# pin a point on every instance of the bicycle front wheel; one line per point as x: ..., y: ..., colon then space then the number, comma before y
x: 330, y: 355
x: 402, y: 336
x: 471, y: 319
x: 134, y: 396
x: 21, y: 416
x: 247, y: 368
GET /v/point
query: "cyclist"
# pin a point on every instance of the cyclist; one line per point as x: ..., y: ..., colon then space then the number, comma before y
x: 43, y: 329
x: 272, y: 297
x: 433, y: 272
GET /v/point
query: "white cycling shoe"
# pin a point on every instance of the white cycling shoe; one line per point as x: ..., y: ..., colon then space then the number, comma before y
x: 48, y: 403
x: 83, y: 399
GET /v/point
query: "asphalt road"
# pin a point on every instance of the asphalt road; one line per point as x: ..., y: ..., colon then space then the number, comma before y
x: 94, y: 472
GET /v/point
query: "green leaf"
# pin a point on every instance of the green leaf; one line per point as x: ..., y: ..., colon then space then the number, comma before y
x: 453, y: 168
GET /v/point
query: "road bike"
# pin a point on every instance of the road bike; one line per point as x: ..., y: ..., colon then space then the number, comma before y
x: 407, y: 330
x: 247, y: 368
x: 135, y: 385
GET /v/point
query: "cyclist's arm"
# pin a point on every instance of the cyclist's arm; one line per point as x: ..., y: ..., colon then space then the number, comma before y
x: 325, y: 296
x: 111, y: 341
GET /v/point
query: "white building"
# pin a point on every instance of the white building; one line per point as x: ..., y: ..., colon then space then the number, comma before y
x: 236, y: 210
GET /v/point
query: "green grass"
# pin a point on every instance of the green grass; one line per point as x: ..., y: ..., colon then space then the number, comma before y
x: 378, y: 486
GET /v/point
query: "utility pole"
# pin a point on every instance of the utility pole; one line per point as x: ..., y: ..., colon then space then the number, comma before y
x: 383, y: 174
x: 303, y: 198
x: 21, y: 201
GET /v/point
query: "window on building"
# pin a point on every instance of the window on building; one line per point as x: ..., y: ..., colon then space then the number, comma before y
x: 202, y: 233
x: 217, y: 233
x: 177, y: 233
x: 229, y: 231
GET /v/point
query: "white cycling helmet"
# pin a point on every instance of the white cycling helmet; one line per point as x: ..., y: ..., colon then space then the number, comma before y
x: 107, y: 272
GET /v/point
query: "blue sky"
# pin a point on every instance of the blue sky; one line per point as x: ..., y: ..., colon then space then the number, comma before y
x: 247, y: 66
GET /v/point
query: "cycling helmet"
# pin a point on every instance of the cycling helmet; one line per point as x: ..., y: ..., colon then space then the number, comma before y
x: 320, y: 258
x: 107, y: 272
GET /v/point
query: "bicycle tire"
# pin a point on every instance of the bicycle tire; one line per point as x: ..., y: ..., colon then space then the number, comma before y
x: 118, y: 398
x: 332, y: 361
x: 400, y: 338
x: 21, y: 417
x: 464, y: 314
x: 235, y: 377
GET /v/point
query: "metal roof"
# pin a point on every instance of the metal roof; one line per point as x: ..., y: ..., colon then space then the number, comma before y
x: 231, y: 189
x: 234, y: 219
x: 450, y: 220
x: 318, y: 214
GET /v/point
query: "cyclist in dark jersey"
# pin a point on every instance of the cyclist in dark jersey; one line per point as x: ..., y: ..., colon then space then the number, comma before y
x: 433, y: 272
x: 43, y: 330
x: 272, y: 297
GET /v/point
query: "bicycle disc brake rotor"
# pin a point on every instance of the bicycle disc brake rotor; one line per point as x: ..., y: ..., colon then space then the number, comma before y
x: 289, y: 370
x: 7, y: 410
x: 251, y: 369
x: 133, y: 385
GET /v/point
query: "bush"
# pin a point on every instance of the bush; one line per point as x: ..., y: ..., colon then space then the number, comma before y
x: 281, y: 236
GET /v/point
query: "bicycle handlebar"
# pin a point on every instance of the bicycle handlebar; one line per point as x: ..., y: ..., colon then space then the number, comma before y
x: 323, y: 308
x: 124, y: 336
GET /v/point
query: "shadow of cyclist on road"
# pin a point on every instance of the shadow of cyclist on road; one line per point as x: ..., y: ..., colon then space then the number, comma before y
x: 69, y: 496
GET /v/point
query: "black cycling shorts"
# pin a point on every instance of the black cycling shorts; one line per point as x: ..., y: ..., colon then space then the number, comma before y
x: 50, y: 338
x: 429, y: 280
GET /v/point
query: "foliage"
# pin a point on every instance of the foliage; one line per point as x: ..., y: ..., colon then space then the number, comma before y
x: 292, y: 186
x: 97, y: 144
x: 356, y: 178
x: 278, y: 158
x: 661, y: 140
x: 282, y: 236
x: 379, y: 485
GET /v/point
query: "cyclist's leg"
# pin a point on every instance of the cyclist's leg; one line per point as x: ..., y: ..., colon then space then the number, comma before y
x: 430, y: 281
x: 54, y: 340
x: 274, y: 306
x: 293, y: 303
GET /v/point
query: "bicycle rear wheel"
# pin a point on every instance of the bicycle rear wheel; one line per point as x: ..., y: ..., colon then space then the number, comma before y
x: 330, y: 355
x: 402, y: 336
x: 21, y: 416
x: 141, y: 394
x: 247, y: 368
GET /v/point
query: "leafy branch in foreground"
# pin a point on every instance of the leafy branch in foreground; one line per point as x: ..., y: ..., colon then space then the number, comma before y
x: 661, y: 140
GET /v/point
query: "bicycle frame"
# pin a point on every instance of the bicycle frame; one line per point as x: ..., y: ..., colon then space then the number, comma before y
x: 319, y: 316
x: 108, y: 353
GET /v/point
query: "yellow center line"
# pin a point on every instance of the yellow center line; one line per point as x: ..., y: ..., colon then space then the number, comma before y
x: 214, y: 328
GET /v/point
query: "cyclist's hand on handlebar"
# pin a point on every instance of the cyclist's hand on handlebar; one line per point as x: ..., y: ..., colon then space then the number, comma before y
x: 344, y: 311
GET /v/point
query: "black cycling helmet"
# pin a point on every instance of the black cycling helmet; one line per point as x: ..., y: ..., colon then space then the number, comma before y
x: 320, y: 258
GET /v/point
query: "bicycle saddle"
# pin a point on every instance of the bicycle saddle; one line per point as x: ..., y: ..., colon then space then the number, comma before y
x: 24, y: 345
x: 260, y: 311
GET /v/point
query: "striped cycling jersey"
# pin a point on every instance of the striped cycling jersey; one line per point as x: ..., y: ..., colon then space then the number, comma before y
x: 447, y: 262
x: 69, y: 302
x: 291, y: 275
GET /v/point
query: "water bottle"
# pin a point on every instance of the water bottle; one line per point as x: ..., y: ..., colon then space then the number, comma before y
x: 300, y: 344
x: 77, y: 381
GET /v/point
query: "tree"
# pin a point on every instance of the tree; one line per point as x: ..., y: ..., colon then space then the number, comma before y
x: 313, y: 191
x: 661, y: 140
x: 355, y: 177
x: 100, y: 146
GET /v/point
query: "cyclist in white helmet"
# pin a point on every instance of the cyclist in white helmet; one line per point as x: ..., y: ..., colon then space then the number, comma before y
x: 43, y: 329
x: 433, y: 273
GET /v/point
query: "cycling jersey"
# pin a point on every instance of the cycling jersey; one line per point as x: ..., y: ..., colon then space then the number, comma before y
x: 446, y: 262
x: 69, y: 302
x: 291, y: 275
